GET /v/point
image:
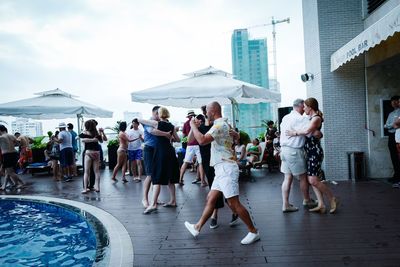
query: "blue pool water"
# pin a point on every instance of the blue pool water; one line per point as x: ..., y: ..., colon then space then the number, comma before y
x: 43, y: 234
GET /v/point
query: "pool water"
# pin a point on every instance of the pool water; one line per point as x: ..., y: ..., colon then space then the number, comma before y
x: 43, y: 234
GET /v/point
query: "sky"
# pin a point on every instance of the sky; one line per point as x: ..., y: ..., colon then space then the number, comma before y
x: 103, y: 50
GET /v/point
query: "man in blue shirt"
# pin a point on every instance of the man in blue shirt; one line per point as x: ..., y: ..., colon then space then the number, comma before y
x: 150, y: 143
x: 74, y: 147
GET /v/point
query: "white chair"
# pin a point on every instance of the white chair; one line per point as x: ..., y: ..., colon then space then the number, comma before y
x: 260, y: 161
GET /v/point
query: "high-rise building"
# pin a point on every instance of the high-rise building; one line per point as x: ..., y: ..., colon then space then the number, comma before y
x: 26, y: 127
x: 250, y: 64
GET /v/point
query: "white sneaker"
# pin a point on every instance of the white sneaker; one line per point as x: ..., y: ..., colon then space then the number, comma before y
x: 149, y: 210
x: 250, y: 238
x: 191, y: 229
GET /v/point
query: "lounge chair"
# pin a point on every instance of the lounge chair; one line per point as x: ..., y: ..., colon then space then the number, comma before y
x: 261, y: 161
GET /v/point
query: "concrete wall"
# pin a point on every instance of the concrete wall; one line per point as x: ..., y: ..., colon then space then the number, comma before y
x: 328, y: 25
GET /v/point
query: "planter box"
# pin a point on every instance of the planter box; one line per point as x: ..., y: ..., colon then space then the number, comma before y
x: 112, y: 157
x: 38, y: 155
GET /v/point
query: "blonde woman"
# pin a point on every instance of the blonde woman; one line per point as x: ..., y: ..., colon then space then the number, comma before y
x: 315, y: 156
x: 165, y: 167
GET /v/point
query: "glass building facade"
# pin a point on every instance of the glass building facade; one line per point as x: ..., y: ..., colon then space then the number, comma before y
x: 250, y: 64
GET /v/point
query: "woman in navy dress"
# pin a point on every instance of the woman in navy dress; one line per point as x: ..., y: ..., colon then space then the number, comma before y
x: 315, y: 156
x: 165, y: 163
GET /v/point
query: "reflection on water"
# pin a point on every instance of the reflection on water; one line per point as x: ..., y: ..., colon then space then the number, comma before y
x: 40, y: 234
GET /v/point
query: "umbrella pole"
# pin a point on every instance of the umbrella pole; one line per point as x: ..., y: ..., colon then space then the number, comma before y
x: 79, y: 117
x: 233, y: 105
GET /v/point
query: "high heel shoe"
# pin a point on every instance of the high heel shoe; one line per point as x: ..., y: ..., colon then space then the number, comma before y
x: 321, y: 210
x: 334, y: 204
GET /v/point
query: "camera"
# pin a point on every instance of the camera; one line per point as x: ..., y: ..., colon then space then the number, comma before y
x: 306, y: 77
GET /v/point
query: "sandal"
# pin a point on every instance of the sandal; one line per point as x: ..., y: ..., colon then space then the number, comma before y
x: 85, y: 191
x: 291, y: 208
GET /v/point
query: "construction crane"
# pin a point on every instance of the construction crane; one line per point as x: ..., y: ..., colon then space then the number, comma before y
x: 275, y: 68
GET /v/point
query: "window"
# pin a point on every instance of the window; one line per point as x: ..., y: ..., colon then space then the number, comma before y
x: 374, y: 4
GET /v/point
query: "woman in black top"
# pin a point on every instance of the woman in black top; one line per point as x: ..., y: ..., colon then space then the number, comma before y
x: 90, y: 137
x: 165, y: 169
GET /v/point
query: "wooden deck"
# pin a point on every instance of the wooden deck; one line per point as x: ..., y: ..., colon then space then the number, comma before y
x: 364, y: 232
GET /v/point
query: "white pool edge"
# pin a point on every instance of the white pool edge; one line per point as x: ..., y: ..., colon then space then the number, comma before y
x: 121, y: 249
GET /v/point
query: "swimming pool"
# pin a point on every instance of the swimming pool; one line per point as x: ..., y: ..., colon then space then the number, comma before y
x: 41, y: 231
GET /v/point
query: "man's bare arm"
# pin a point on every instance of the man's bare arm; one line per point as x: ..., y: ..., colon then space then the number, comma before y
x: 201, y: 138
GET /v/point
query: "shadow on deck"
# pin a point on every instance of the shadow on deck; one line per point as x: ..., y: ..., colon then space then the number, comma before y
x: 365, y: 231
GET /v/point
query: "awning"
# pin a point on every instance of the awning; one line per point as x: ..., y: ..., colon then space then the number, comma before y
x: 372, y: 36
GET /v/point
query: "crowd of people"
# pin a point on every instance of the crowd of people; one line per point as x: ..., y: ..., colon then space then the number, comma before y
x: 218, y: 149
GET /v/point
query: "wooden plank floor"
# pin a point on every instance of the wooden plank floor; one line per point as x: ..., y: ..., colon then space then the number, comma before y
x: 364, y: 232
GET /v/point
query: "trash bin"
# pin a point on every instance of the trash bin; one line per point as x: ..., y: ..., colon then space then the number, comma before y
x: 356, y: 165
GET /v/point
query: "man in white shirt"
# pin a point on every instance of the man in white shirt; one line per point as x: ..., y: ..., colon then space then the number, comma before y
x: 390, y: 126
x: 226, y: 179
x: 135, y: 150
x: 293, y: 157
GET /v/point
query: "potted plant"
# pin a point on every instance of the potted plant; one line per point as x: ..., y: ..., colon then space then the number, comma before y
x: 184, y: 141
x: 112, y: 147
x: 38, y: 147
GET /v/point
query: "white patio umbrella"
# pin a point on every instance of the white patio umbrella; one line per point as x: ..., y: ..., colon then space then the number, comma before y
x: 53, y: 104
x: 204, y: 86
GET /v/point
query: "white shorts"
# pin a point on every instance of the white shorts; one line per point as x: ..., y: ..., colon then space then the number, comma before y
x: 191, y: 151
x: 226, y: 179
x: 293, y: 160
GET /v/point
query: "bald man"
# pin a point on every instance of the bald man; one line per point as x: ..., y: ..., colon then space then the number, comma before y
x: 226, y: 179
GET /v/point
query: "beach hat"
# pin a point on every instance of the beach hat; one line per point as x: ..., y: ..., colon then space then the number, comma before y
x: 62, y: 125
x: 190, y: 113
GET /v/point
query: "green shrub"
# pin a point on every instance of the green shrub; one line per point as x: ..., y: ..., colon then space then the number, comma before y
x: 38, y: 142
x: 244, y: 137
x: 184, y: 139
x: 261, y: 137
x: 113, y: 143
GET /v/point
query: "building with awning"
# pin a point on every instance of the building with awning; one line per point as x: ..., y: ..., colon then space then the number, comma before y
x: 352, y: 50
x: 378, y: 32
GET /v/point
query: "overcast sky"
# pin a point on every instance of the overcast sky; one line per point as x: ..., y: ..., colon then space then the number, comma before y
x: 102, y: 50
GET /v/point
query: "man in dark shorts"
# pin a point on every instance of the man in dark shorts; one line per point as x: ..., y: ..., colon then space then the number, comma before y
x: 150, y: 142
x: 66, y: 152
x: 10, y: 157
x: 74, y: 147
